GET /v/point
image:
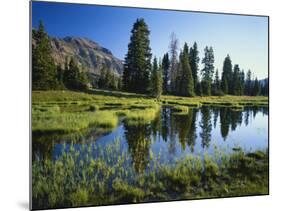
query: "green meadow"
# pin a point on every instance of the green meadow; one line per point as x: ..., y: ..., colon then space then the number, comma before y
x: 69, y: 111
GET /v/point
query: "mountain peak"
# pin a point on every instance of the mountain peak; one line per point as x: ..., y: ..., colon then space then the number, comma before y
x: 88, y: 53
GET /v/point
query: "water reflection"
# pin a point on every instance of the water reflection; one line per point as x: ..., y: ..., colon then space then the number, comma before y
x: 138, y: 140
x: 171, y: 135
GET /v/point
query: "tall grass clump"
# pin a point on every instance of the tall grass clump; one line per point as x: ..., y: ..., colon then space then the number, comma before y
x: 95, y: 175
x: 72, y: 122
x: 140, y: 116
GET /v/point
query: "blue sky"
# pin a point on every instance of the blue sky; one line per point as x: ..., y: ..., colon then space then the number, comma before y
x: 244, y: 38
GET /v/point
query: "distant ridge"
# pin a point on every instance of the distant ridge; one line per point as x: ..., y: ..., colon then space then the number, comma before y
x: 89, y: 54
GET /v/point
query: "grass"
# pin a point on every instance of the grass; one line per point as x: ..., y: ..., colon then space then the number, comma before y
x: 227, y: 100
x: 140, y: 116
x: 65, y: 122
x: 75, y: 180
x: 180, y: 110
x: 69, y: 111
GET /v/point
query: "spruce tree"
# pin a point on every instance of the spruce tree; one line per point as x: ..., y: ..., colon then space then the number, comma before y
x: 186, y: 87
x: 248, y: 85
x: 60, y: 73
x: 101, y: 81
x: 227, y: 75
x: 264, y: 88
x: 159, y: 81
x: 173, y: 62
x: 256, y: 88
x: 194, y: 63
x: 208, y: 70
x: 236, y: 80
x: 156, y: 79
x: 44, y: 72
x: 242, y: 82
x: 137, y: 61
x: 166, y: 68
x: 72, y: 75
x: 217, y: 84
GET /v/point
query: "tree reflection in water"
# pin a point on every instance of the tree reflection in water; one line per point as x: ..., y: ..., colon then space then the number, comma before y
x: 175, y: 133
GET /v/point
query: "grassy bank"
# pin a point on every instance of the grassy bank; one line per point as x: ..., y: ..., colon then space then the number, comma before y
x: 72, y: 180
x: 68, y: 111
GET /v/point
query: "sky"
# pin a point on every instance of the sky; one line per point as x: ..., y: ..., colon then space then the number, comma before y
x: 244, y: 38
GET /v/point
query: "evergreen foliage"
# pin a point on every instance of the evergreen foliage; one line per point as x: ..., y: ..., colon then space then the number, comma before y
x: 256, y: 88
x: 44, y: 71
x: 194, y: 63
x: 156, y: 80
x: 217, y: 84
x: 166, y: 68
x: 185, y: 78
x: 174, y: 62
x: 109, y: 80
x: 227, y: 75
x: 73, y: 77
x: 176, y: 73
x: 208, y: 70
x: 137, y: 62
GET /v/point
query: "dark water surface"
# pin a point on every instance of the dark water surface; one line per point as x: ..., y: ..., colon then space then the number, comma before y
x: 170, y: 136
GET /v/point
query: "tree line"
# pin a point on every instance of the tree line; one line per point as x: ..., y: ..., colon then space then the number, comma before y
x: 178, y: 72
x: 46, y: 75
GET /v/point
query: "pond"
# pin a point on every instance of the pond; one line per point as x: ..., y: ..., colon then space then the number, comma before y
x: 172, y: 136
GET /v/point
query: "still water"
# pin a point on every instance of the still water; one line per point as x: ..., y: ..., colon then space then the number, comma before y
x: 170, y: 136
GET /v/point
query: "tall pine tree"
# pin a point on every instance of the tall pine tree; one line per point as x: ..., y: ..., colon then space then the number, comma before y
x: 217, y: 84
x: 248, y: 84
x: 236, y: 81
x: 173, y: 62
x: 156, y: 79
x: 256, y: 88
x: 166, y: 68
x: 226, y: 84
x: 44, y: 71
x: 186, y: 86
x: 208, y: 70
x: 194, y: 63
x: 138, y: 59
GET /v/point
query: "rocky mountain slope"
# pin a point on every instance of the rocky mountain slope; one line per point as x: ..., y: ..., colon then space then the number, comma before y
x: 89, y: 54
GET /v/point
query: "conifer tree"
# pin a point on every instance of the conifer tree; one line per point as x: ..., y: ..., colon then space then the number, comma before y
x: 186, y: 86
x: 44, y: 71
x: 208, y: 70
x: 248, y: 84
x: 242, y: 82
x: 74, y: 78
x: 194, y: 63
x: 173, y: 62
x: 137, y: 61
x: 60, y: 73
x: 236, y: 80
x: 227, y: 75
x: 166, y: 68
x: 256, y: 88
x: 156, y: 79
x: 217, y: 84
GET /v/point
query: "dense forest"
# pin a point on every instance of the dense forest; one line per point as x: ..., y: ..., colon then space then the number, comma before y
x: 177, y: 73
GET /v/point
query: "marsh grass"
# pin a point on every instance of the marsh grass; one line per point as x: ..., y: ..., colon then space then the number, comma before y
x: 64, y: 122
x: 79, y: 178
x: 140, y: 116
x: 180, y: 110
x: 68, y: 111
